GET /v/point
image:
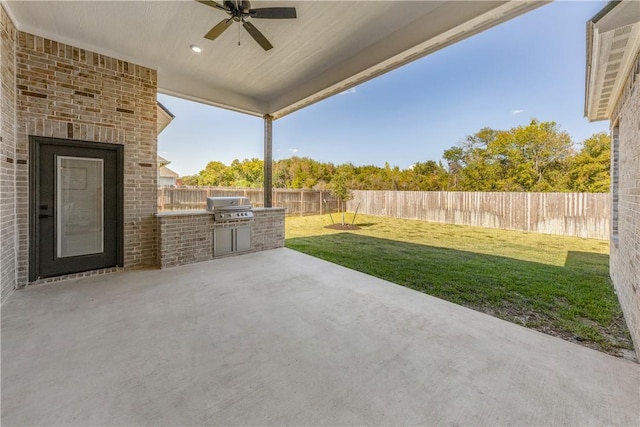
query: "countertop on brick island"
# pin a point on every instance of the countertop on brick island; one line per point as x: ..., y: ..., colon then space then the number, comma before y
x: 186, y: 237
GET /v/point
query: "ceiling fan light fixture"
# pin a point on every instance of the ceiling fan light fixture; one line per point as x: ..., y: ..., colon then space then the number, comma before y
x: 238, y: 11
x: 196, y: 48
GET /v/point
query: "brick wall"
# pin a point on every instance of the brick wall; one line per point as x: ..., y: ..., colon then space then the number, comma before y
x: 268, y: 229
x: 625, y: 246
x: 62, y: 91
x: 8, y: 260
x: 186, y: 238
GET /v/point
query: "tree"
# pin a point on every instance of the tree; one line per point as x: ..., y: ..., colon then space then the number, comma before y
x: 590, y: 168
x: 535, y: 157
x: 214, y: 174
x: 425, y: 176
x: 532, y: 158
x: 472, y: 166
x: 247, y: 173
x: 189, y: 180
x: 341, y: 186
x: 281, y: 175
x: 454, y: 157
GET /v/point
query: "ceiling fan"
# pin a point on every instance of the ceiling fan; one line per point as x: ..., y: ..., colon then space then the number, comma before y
x: 239, y: 10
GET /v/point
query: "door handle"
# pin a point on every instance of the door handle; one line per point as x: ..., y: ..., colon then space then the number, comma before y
x: 45, y: 214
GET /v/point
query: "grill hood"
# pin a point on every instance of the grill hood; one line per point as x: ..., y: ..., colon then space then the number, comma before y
x: 217, y: 204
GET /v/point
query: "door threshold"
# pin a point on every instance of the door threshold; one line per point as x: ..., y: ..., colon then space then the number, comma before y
x: 82, y: 274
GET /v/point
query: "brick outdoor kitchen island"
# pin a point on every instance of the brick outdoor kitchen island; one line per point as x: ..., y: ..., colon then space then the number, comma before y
x: 186, y: 237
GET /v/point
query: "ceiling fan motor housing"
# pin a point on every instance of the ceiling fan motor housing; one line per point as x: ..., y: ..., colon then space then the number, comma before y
x: 239, y: 10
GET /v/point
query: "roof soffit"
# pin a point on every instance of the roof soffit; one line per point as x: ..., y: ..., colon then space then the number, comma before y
x: 613, y: 48
x: 163, y: 117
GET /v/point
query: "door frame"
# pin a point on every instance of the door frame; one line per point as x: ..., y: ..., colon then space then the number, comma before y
x: 35, y: 142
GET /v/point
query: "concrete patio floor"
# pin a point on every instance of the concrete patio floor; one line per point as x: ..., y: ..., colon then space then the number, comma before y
x: 281, y: 338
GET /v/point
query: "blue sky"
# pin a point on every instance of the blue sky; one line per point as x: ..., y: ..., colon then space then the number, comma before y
x: 530, y: 67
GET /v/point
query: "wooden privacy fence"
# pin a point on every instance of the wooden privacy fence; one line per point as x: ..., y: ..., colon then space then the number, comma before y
x: 570, y: 214
x: 297, y: 202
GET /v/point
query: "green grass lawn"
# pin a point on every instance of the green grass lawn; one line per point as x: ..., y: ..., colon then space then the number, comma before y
x: 554, y: 284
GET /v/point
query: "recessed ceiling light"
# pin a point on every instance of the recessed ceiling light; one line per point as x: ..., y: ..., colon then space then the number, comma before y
x: 196, y: 49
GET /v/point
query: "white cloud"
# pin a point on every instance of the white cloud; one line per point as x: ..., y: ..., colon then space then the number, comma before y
x: 348, y: 91
x: 293, y: 150
x: 514, y: 112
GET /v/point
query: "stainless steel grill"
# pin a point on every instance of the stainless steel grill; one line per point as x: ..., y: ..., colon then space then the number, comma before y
x: 230, y: 208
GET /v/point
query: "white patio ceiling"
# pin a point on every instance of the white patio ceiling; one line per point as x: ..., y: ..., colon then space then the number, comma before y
x: 331, y: 46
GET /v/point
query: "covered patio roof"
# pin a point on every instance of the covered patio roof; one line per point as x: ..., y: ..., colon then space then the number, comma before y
x: 330, y: 47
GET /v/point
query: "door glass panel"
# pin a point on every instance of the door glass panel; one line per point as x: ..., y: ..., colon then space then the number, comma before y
x: 79, y: 206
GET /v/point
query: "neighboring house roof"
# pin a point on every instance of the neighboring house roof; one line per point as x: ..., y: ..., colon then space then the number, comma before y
x: 330, y: 47
x: 164, y: 117
x: 162, y: 161
x: 613, y: 45
x: 165, y: 172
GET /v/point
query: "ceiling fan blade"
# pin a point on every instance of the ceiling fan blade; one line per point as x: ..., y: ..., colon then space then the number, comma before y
x: 257, y: 35
x: 218, y: 29
x: 214, y: 4
x: 273, y: 13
